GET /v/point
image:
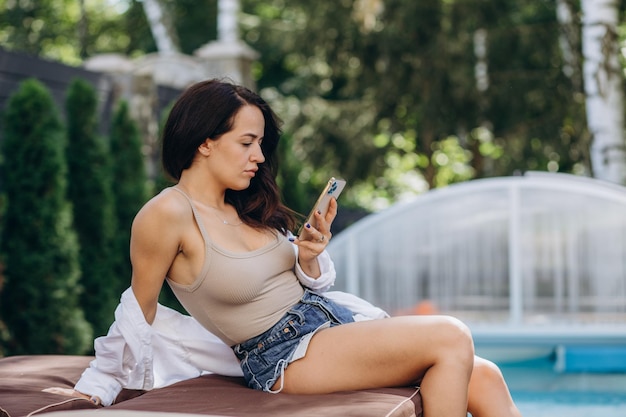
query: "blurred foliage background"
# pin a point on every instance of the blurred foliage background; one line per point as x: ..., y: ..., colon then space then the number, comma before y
x: 388, y: 94
x: 396, y: 96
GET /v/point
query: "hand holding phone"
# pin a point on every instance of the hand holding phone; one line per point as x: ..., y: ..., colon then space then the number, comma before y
x: 333, y: 188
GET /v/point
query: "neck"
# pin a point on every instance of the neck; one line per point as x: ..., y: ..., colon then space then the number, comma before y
x: 203, y: 194
x: 218, y: 207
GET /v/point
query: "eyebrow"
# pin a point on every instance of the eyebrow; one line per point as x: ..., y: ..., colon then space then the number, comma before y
x: 251, y: 135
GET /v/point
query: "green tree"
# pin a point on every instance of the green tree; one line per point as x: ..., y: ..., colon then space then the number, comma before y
x: 130, y: 190
x: 536, y: 112
x: 365, y: 90
x: 195, y: 22
x: 385, y: 93
x: 184, y: 25
x: 42, y: 26
x: 60, y: 30
x: 39, y: 299
x: 379, y: 90
x: 294, y: 192
x: 91, y: 194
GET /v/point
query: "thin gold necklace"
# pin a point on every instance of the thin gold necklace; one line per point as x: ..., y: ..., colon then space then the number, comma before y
x: 224, y: 221
x: 215, y: 210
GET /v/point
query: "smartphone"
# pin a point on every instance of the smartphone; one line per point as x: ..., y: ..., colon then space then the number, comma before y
x: 333, y: 188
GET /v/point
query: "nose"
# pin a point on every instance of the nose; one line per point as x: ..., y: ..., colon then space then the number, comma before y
x: 257, y: 156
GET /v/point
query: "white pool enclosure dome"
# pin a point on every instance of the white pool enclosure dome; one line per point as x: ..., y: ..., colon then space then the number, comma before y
x: 536, y: 255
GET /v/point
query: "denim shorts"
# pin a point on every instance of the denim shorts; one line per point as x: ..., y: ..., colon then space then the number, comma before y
x: 265, y: 357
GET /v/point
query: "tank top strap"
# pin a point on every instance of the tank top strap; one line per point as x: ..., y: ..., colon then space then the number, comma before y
x: 196, y: 216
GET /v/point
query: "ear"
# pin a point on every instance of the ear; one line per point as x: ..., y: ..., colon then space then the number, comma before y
x: 205, y: 147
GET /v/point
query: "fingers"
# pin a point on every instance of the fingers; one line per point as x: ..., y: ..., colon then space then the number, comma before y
x: 320, y: 233
x: 332, y: 210
x: 325, y: 221
x: 311, y: 242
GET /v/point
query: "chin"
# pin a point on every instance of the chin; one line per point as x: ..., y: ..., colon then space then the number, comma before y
x: 241, y: 186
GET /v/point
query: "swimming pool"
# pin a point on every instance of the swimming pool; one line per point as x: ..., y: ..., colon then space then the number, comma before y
x: 540, y: 391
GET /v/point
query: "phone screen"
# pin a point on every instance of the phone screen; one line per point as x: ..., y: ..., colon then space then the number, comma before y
x: 333, y: 188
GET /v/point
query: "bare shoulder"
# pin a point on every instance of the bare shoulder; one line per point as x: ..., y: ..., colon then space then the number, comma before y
x: 159, y: 228
x: 168, y: 209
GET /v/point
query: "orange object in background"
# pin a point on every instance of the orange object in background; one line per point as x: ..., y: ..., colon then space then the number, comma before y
x: 425, y: 307
x: 422, y: 308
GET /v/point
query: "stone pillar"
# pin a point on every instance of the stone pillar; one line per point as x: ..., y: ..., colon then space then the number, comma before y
x: 228, y: 56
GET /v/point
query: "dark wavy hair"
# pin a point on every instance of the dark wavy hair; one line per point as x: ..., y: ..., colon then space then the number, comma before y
x: 207, y: 110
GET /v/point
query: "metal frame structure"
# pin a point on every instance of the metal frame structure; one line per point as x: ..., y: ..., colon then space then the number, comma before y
x: 538, y: 258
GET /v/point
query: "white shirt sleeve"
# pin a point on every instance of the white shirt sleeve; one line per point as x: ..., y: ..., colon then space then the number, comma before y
x: 137, y: 355
x: 325, y: 281
x: 363, y: 310
x: 327, y: 268
x: 103, y: 378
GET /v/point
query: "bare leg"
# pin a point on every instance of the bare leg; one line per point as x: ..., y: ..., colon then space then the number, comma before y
x: 488, y: 393
x: 398, y: 351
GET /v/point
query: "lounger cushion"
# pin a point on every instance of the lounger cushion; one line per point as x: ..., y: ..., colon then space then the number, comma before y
x: 23, y: 377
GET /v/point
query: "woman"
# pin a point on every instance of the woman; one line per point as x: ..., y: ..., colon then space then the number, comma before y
x: 220, y: 237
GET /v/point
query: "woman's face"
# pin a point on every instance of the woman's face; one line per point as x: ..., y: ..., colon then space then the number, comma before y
x: 235, y: 156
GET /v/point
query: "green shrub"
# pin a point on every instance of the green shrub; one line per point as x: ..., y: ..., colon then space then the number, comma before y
x: 130, y: 186
x: 39, y: 298
x: 90, y: 192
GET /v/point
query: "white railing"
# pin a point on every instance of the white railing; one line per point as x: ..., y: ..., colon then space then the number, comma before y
x: 513, y: 252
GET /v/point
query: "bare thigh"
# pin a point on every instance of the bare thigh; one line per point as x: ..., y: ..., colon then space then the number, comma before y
x: 380, y: 353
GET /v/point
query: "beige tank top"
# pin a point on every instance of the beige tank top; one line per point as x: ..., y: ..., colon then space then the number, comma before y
x: 237, y: 295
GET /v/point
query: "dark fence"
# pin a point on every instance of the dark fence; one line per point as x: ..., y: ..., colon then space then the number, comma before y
x: 15, y: 67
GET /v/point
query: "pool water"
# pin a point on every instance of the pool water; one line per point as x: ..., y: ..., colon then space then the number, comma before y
x: 540, y: 391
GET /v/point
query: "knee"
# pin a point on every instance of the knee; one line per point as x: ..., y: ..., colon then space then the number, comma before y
x: 457, y: 340
x: 487, y: 373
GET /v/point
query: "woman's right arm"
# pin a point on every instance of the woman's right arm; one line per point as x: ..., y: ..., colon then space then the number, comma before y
x: 155, y: 242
